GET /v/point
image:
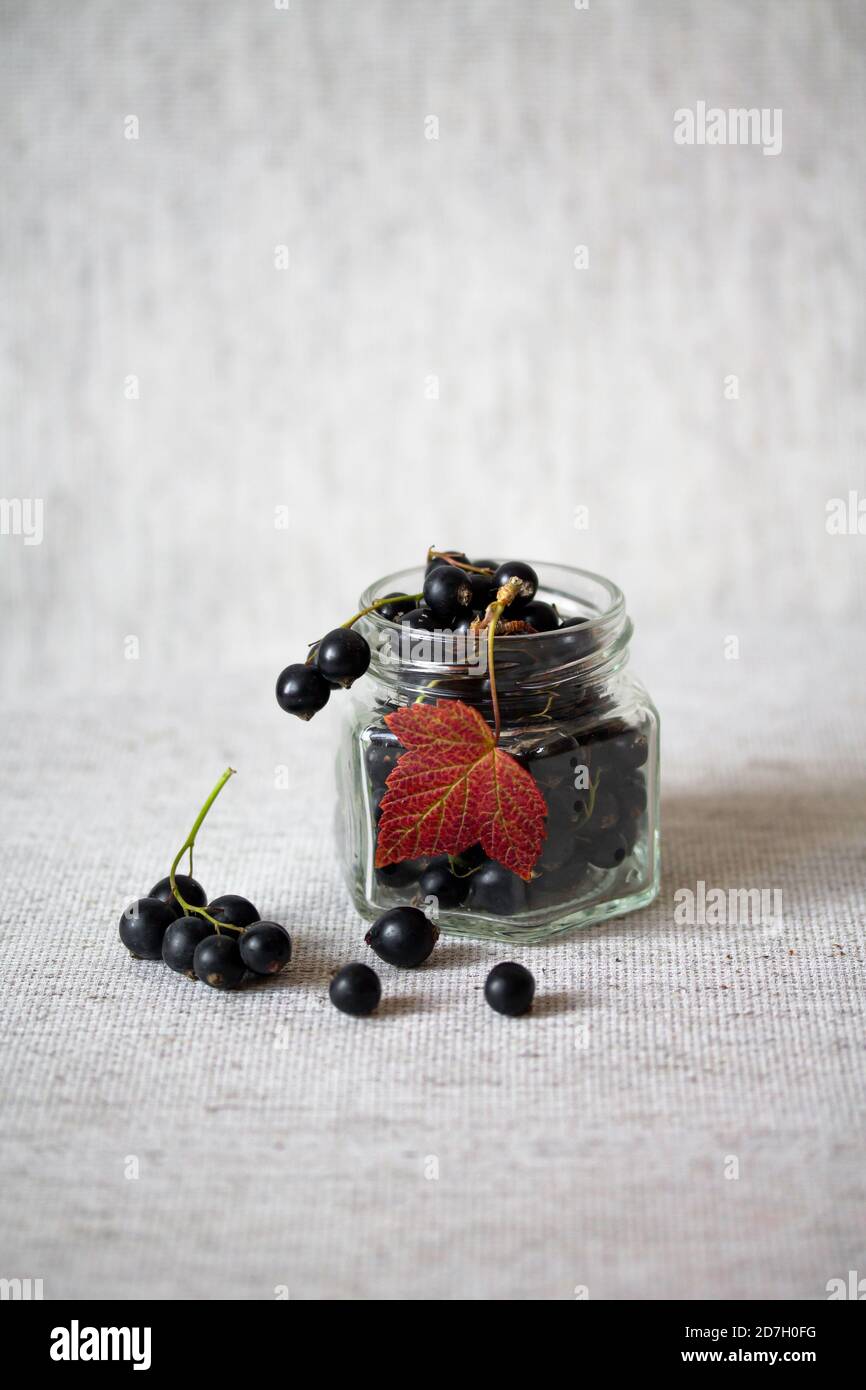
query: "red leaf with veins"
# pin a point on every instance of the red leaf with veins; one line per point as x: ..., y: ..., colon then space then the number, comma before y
x: 454, y: 787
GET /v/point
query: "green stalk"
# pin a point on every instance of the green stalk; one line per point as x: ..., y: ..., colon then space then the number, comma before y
x: 378, y: 604
x: 188, y: 843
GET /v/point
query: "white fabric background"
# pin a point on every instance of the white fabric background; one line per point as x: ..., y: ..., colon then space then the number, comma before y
x: 582, y: 1145
x: 306, y: 388
x: 567, y: 1157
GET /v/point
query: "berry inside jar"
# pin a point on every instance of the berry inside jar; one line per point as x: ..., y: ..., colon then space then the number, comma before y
x: 498, y: 768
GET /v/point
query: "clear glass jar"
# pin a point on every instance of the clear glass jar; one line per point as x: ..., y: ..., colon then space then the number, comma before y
x: 571, y: 712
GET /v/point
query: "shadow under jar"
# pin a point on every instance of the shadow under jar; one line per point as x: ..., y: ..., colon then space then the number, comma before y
x: 572, y: 714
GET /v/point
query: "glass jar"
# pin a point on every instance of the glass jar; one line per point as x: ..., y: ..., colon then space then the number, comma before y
x: 572, y: 714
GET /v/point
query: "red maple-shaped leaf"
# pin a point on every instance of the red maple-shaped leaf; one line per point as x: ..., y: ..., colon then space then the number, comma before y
x: 454, y: 787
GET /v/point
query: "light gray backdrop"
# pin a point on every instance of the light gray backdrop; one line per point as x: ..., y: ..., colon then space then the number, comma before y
x: 308, y: 388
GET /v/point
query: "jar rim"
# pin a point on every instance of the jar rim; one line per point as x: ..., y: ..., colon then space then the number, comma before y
x: 565, y: 656
x: 615, y: 609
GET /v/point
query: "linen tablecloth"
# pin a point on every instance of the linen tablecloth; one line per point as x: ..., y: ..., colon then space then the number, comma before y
x: 681, y: 1114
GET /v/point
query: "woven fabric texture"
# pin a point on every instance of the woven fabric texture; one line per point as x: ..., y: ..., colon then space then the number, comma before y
x: 436, y: 1150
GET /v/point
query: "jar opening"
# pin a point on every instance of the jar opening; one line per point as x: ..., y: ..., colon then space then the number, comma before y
x: 454, y: 665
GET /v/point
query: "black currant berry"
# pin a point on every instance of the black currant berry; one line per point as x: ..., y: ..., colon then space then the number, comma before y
x: 576, y: 806
x: 607, y: 850
x: 233, y: 910
x: 471, y: 858
x: 302, y: 690
x: 497, y: 889
x: 265, y: 948
x: 402, y: 874
x: 381, y: 758
x: 556, y: 885
x: 605, y: 812
x: 342, y: 656
x: 440, y: 881
x: 633, y: 796
x: 217, y: 962
x: 447, y: 592
x: 559, y: 844
x: 189, y: 888
x: 180, y: 941
x: 518, y: 569
x: 540, y: 615
x: 421, y: 619
x: 630, y: 751
x: 402, y: 936
x: 603, y: 739
x: 355, y: 989
x: 400, y: 604
x: 628, y: 830
x: 143, y: 925
x: 464, y: 621
x: 483, y: 591
x: 313, y: 660
x: 570, y: 802
x: 550, y: 761
x: 509, y: 988
x: 487, y: 565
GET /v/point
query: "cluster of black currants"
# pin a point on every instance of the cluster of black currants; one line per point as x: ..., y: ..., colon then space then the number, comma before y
x: 405, y: 937
x: 221, y: 952
x: 596, y: 793
x: 457, y: 593
x: 236, y: 945
x: 333, y: 664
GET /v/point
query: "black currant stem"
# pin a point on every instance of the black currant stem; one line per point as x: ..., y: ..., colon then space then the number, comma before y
x: 394, y: 598
x: 188, y: 843
x: 590, y: 801
x: 458, y: 564
x: 380, y: 602
x: 505, y: 595
x: 457, y: 870
x: 423, y: 698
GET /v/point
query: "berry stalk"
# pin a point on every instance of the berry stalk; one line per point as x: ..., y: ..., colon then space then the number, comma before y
x: 506, y: 594
x: 188, y: 844
x: 590, y: 801
x: 380, y: 602
x: 458, y: 564
x: 392, y: 598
